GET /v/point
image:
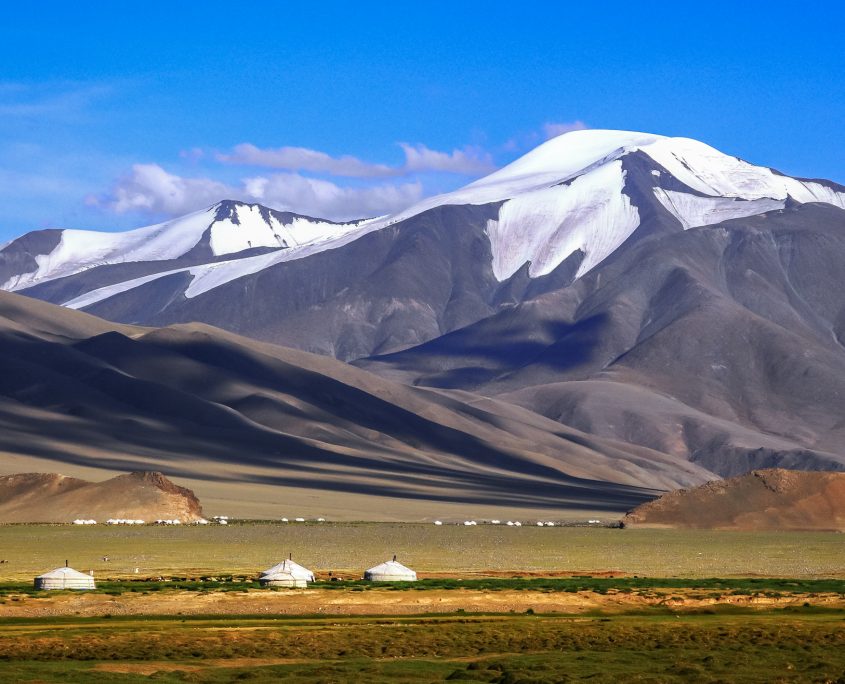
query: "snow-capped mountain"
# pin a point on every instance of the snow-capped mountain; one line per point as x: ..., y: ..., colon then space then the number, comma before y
x: 648, y: 289
x: 585, y: 192
x: 226, y: 228
x: 570, y: 194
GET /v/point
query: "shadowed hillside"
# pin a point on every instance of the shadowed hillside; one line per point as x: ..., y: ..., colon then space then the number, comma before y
x: 259, y: 428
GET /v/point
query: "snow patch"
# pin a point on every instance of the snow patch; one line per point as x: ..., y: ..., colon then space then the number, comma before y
x: 545, y: 226
x: 557, y: 160
x: 79, y: 250
x: 710, y: 172
x: 256, y: 227
x: 694, y: 211
x: 816, y: 192
x: 206, y: 277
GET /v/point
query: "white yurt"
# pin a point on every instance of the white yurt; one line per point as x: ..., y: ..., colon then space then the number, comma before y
x: 288, y: 565
x: 64, y: 578
x: 390, y: 571
x: 282, y: 579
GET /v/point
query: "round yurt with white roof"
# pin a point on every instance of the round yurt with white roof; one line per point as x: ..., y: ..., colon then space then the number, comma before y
x: 64, y: 578
x: 288, y: 567
x: 291, y: 566
x: 390, y: 571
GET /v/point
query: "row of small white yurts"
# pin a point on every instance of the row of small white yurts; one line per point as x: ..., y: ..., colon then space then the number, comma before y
x: 222, y: 520
x: 515, y: 523
x: 288, y: 573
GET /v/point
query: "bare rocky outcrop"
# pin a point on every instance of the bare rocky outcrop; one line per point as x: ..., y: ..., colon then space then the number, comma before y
x: 771, y: 499
x: 50, y: 497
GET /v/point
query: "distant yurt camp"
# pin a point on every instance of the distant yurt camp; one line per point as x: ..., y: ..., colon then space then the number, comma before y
x: 390, y: 571
x: 290, y: 566
x: 64, y: 578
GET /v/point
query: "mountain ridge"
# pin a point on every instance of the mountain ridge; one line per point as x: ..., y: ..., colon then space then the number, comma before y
x: 569, y: 194
x: 652, y: 291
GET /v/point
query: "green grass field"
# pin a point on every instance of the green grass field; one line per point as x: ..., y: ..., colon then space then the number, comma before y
x: 654, y: 641
x: 499, y: 648
x: 245, y: 549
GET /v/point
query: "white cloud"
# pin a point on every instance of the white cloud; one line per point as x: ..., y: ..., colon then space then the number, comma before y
x: 553, y: 129
x: 194, y: 154
x: 304, y: 159
x: 418, y: 159
x: 59, y: 101
x: 149, y: 188
x: 322, y: 198
x: 468, y: 161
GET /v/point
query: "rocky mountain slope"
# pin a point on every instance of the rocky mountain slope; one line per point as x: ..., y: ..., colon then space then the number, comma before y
x: 385, y: 284
x: 49, y: 497
x: 772, y: 499
x: 648, y: 290
x: 723, y: 345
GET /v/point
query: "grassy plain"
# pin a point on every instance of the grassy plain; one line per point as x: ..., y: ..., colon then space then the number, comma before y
x: 496, y: 604
x: 782, y: 647
x: 348, y: 548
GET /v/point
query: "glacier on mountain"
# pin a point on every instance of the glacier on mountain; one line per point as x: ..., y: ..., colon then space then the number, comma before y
x: 545, y: 226
x: 695, y: 211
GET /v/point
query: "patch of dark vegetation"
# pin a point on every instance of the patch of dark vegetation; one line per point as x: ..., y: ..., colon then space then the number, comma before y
x: 769, y: 587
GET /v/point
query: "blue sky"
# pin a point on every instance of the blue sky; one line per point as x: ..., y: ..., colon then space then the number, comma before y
x: 114, y: 115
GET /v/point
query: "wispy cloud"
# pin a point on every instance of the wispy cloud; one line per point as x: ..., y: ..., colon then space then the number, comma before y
x: 418, y: 159
x: 67, y: 99
x: 552, y: 129
x: 149, y: 188
x: 193, y: 154
x: 467, y: 161
x: 304, y: 159
x: 323, y: 198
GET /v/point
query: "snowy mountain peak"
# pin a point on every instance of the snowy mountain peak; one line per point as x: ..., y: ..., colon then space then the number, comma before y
x: 227, y: 227
x: 571, y: 194
x: 584, y: 193
x: 568, y: 155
